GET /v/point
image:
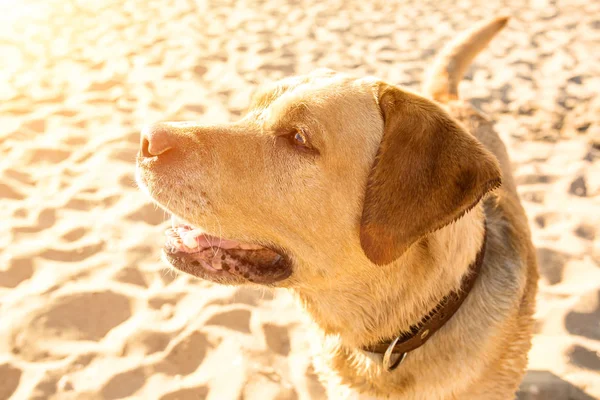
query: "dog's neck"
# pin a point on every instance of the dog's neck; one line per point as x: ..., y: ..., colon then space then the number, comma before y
x: 368, y: 304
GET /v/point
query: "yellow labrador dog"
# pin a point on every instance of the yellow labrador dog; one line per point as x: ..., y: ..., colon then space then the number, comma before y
x: 393, y: 218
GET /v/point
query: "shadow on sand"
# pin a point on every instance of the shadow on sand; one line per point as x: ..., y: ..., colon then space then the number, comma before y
x: 544, y: 385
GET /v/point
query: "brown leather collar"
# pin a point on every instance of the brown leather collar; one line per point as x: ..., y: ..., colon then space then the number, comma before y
x: 419, y: 333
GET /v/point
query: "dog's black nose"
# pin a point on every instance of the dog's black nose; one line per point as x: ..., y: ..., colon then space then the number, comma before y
x: 156, y: 140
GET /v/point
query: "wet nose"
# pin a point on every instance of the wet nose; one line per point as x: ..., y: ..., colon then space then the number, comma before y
x: 156, y: 140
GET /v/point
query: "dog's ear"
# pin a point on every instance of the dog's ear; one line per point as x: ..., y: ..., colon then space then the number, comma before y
x: 427, y: 173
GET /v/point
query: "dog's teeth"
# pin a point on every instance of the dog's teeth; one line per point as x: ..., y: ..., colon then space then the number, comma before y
x: 276, y: 260
x: 190, y: 241
x: 216, y: 264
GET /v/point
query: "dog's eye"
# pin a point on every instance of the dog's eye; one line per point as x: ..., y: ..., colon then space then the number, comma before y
x: 299, y: 139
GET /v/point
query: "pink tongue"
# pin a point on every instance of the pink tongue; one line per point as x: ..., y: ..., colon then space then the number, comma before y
x: 203, y: 241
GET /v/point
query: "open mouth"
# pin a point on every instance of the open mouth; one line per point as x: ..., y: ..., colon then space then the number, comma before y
x: 221, y: 260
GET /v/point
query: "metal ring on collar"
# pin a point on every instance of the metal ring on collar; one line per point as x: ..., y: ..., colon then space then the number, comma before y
x: 387, y: 357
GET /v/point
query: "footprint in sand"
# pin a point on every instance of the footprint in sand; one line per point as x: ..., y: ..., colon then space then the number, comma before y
x: 57, y: 380
x: 9, y: 193
x: 76, y: 141
x: 41, y: 155
x: 76, y: 254
x: 66, y: 112
x: 133, y: 137
x: 73, y: 317
x: 46, y: 219
x: 278, y: 338
x: 11, y: 377
x: 125, y: 154
x: 36, y: 125
x: 102, y: 86
x: 19, y: 270
x: 532, y: 179
x: 148, y: 213
x: 534, y: 196
x: 75, y: 234
x: 110, y: 200
x: 243, y: 295
x: 584, y: 358
x: 584, y: 319
x: 546, y: 219
x: 578, y: 187
x: 552, y: 264
x: 185, y: 356
x: 236, y: 319
x: 22, y: 177
x: 80, y: 204
x: 250, y: 296
x: 197, y: 108
x: 124, y: 384
x: 87, y: 203
x: 127, y: 181
x: 196, y: 393
x: 586, y: 231
x: 20, y: 213
x: 200, y: 70
x: 145, y: 342
x: 130, y: 275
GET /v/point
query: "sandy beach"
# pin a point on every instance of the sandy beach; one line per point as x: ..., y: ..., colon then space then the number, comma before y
x: 88, y: 310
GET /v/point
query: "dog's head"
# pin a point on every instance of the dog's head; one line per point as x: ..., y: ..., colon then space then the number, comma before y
x: 322, y: 171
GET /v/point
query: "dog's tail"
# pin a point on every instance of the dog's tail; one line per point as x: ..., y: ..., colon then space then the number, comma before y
x: 441, y: 82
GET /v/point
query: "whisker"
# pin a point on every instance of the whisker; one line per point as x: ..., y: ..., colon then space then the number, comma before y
x: 220, y: 235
